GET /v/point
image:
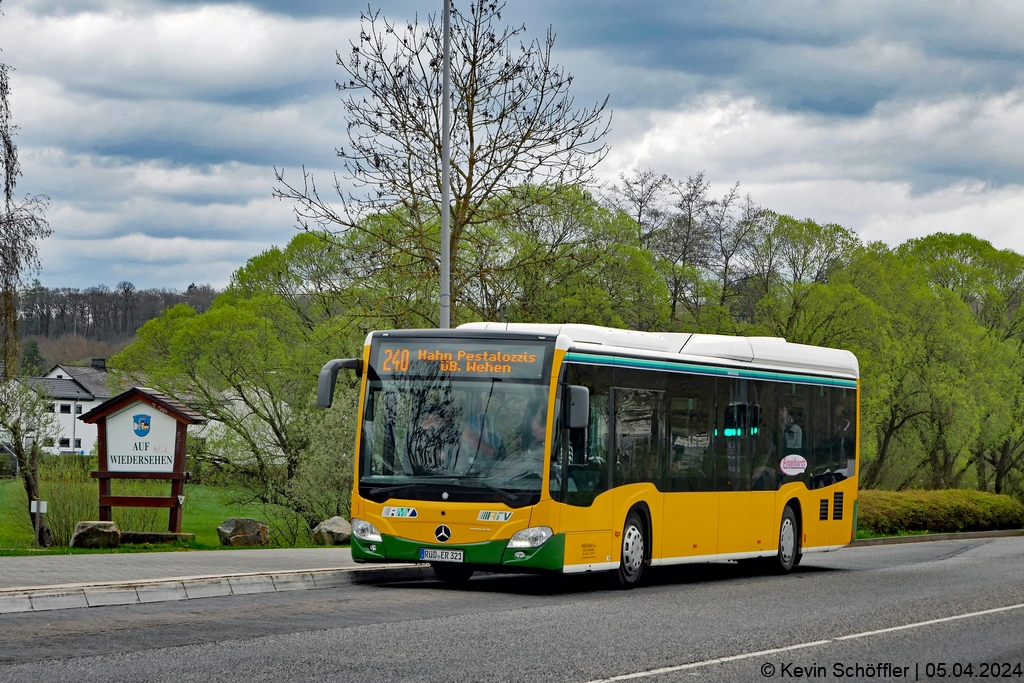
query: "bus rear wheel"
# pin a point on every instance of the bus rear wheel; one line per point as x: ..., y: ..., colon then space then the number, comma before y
x: 451, y: 573
x: 634, y: 551
x: 789, y: 543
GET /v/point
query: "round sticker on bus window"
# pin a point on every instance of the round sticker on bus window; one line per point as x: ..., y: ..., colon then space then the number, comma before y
x: 793, y: 464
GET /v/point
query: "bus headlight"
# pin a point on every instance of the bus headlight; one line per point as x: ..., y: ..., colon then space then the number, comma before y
x: 530, y: 538
x: 365, y: 531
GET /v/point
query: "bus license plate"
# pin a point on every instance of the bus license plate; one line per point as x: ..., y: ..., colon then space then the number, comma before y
x: 436, y: 555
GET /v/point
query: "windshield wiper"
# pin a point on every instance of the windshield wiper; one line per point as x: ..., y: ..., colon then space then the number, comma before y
x: 390, y: 489
x: 507, y: 495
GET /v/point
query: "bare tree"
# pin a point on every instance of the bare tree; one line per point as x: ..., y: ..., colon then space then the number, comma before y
x: 729, y: 225
x: 641, y: 196
x: 516, y: 137
x: 684, y: 242
x: 21, y: 224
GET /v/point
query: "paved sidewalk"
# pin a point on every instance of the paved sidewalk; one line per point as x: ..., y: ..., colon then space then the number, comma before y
x: 64, y: 570
x: 54, y: 582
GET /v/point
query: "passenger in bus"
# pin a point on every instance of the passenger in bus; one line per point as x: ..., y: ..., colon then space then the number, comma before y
x: 792, y: 434
x: 842, y: 442
x: 531, y: 434
x: 519, y: 460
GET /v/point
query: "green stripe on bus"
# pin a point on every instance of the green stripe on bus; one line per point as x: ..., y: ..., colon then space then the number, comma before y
x: 643, y: 363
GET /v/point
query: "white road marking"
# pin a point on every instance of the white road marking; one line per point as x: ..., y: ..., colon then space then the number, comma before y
x: 761, y: 653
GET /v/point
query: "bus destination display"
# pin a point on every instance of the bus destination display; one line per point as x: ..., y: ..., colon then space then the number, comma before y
x: 520, y: 361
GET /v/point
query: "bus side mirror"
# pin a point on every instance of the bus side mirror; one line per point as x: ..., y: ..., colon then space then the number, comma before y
x: 579, y: 407
x: 329, y: 376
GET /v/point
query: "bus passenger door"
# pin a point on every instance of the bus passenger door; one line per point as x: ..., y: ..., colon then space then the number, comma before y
x: 737, y: 521
x: 586, y: 517
x: 690, y: 502
x: 639, y: 436
x: 762, y: 425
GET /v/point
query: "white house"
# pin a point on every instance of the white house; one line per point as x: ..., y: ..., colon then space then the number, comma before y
x: 74, y: 389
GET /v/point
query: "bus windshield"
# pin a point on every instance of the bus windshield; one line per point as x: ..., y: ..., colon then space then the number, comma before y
x: 463, y: 419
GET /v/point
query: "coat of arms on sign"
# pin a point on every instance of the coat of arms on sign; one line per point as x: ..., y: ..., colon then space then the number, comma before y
x: 141, y: 425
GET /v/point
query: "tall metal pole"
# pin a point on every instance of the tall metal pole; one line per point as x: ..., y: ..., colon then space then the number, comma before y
x: 446, y: 276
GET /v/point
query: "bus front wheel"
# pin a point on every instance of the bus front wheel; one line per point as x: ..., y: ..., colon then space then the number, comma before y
x: 789, y: 542
x: 634, y: 549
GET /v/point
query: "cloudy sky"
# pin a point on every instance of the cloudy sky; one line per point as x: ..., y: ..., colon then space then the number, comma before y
x: 154, y: 126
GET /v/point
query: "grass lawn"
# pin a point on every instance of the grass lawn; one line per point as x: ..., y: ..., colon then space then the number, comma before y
x: 205, y: 508
x: 868, y: 533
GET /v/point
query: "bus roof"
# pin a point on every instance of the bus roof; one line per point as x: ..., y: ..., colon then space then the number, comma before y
x: 763, y: 352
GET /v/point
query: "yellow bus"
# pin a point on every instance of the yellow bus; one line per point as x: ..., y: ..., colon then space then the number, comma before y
x: 574, y: 448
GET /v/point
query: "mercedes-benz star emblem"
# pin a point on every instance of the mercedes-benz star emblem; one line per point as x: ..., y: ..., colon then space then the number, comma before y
x: 442, y: 534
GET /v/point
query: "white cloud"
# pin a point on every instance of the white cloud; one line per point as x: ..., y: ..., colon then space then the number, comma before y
x: 152, y: 222
x: 154, y: 127
x: 895, y: 174
x: 133, y: 49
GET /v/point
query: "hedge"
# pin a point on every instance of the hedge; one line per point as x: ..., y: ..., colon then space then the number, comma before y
x: 893, y: 512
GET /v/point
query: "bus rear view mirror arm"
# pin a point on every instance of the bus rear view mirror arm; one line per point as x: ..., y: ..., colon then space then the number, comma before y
x: 579, y: 407
x: 329, y: 376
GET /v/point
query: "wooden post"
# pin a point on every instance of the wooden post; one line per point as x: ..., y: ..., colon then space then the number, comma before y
x: 106, y: 514
x: 178, y: 484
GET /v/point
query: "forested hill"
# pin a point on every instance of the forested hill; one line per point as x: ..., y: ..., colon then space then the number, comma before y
x: 100, y: 313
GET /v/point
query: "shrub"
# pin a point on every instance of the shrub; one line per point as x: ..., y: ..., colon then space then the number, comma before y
x: 893, y: 512
x: 72, y: 495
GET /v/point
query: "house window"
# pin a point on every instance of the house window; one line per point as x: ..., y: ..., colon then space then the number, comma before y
x: 78, y: 409
x: 52, y: 407
x: 65, y: 408
x: 48, y: 442
x: 78, y: 443
x: 65, y: 443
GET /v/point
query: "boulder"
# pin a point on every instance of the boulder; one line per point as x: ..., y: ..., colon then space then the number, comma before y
x: 95, y: 535
x: 243, y: 531
x: 333, y: 531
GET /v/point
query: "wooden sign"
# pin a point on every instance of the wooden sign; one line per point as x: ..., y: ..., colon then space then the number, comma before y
x: 141, y: 438
x: 142, y: 435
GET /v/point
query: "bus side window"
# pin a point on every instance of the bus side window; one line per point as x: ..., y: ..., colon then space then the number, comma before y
x: 737, y: 408
x: 639, y: 425
x: 764, y: 473
x: 844, y: 432
x: 692, y: 419
x: 791, y: 426
x: 820, y: 438
x: 587, y: 459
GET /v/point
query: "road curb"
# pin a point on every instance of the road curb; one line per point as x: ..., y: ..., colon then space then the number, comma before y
x: 926, y: 538
x: 110, y: 593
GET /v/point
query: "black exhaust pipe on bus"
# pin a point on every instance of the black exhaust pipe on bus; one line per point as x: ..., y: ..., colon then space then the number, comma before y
x: 329, y: 376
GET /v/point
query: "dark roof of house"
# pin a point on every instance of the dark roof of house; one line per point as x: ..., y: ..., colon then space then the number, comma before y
x: 92, y: 378
x: 60, y: 389
x: 190, y: 416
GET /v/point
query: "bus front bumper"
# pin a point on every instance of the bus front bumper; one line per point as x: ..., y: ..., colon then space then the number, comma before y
x: 486, y: 556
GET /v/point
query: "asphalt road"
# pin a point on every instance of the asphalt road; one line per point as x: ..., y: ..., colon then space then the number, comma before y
x: 519, y: 628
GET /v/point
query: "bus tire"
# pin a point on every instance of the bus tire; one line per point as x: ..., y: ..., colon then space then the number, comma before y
x: 789, y: 542
x: 451, y: 573
x: 634, y: 549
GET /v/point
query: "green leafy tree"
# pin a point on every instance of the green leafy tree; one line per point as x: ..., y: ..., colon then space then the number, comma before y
x: 251, y: 365
x: 32, y: 361
x: 990, y: 282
